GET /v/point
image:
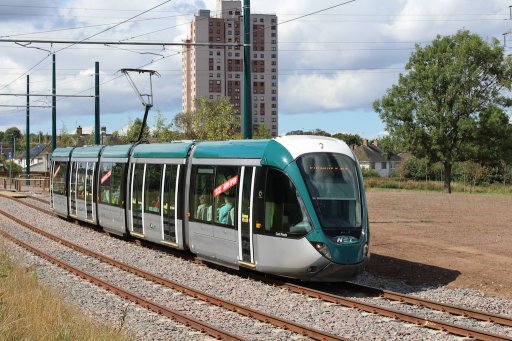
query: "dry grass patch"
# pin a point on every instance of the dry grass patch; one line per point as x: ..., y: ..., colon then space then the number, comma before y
x: 435, y: 186
x: 32, y: 312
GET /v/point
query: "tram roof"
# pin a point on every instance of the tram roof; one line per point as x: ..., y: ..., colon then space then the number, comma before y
x: 240, y: 149
x: 87, y: 152
x: 62, y: 152
x: 118, y: 151
x: 162, y: 150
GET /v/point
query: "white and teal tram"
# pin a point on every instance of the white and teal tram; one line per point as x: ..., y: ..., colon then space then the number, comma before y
x: 292, y: 206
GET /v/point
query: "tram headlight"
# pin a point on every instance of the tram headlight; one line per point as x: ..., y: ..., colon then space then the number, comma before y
x: 323, y: 249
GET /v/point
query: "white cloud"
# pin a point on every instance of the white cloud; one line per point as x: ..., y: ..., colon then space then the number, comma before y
x: 340, y: 91
x: 365, y: 34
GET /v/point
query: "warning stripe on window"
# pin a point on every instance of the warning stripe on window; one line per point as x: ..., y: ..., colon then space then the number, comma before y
x: 106, y: 176
x: 56, y: 172
x: 225, y: 186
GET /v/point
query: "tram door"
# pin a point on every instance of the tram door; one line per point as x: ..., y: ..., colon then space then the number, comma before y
x: 72, y: 189
x: 81, y: 190
x: 245, y: 246
x: 136, y: 197
x: 89, y: 190
x: 170, y: 203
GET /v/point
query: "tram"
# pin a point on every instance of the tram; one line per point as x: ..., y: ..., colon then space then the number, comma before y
x: 292, y: 206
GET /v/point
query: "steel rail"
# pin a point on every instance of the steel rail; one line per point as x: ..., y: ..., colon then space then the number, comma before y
x: 39, y: 199
x: 252, y: 313
x: 448, y: 308
x: 188, y: 321
x: 50, y: 213
x: 395, y: 314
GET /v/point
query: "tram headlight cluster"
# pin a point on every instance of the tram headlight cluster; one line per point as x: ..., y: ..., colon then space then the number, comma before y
x: 323, y: 249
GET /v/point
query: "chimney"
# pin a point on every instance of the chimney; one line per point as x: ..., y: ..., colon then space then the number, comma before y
x: 375, y: 143
x: 79, y: 131
x: 365, y: 142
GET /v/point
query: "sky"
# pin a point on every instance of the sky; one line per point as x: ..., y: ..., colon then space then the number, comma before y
x: 332, y: 64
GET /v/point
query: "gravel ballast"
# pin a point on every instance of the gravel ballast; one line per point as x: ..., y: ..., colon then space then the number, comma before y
x: 345, y: 322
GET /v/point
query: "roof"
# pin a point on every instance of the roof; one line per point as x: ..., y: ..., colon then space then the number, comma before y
x: 241, y: 149
x: 35, y: 151
x: 86, y: 152
x: 372, y: 153
x: 118, y: 151
x: 62, y: 152
x: 298, y: 145
x: 162, y: 150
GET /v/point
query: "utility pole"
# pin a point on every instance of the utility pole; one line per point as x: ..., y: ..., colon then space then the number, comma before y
x: 54, y: 106
x: 509, y: 31
x: 12, y: 159
x: 97, y: 103
x: 27, y: 131
x: 10, y: 169
x: 247, y: 130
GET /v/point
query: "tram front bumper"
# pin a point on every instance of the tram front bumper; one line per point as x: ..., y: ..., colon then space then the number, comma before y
x: 338, y: 272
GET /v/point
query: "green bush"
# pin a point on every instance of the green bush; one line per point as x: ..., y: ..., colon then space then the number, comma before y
x: 15, y: 167
x: 368, y: 173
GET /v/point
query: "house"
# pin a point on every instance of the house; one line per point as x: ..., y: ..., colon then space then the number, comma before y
x: 88, y: 132
x: 372, y: 158
x: 38, y: 158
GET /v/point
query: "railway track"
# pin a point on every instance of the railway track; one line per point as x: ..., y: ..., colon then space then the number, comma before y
x: 188, y: 321
x: 392, y: 313
x: 406, y: 317
x: 448, y: 308
x: 245, y: 311
x: 40, y: 200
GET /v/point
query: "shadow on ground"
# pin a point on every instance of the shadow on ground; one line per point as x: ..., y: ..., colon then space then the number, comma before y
x: 410, y: 272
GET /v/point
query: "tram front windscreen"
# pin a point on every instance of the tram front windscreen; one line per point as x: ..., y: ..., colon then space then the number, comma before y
x: 333, y: 185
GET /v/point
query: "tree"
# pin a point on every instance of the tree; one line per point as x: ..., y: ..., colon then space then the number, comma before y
x: 350, y: 139
x: 390, y: 146
x: 133, y: 131
x: 317, y: 131
x: 13, y: 166
x: 296, y: 132
x: 452, y: 89
x: 212, y: 120
x: 163, y: 132
x: 114, y: 139
x: 262, y: 133
x: 65, y: 139
x: 11, y: 133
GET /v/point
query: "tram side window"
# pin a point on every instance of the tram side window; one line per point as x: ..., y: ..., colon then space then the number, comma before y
x: 285, y: 215
x: 152, y: 190
x: 72, y: 180
x: 60, y: 169
x: 214, y: 194
x: 80, y: 183
x: 226, y: 183
x: 111, y: 181
x: 202, y: 197
x: 138, y: 174
x: 89, y: 179
x: 169, y: 205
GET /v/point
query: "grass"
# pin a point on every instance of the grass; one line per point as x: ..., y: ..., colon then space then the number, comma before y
x: 436, y: 186
x: 29, y: 311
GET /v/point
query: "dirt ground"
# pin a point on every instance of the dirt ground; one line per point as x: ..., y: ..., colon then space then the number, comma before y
x: 458, y: 240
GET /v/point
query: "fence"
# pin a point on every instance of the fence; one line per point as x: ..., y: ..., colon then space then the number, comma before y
x: 36, y: 184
